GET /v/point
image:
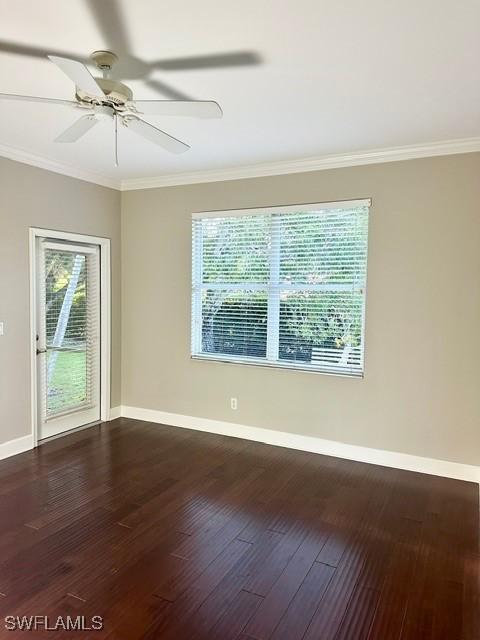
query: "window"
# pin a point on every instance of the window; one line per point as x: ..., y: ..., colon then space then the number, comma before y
x: 283, y: 286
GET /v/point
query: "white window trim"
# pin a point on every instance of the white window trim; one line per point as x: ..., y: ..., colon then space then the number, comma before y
x: 223, y: 358
x: 310, y: 207
x: 273, y: 292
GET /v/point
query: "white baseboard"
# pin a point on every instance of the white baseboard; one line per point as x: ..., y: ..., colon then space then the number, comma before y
x: 114, y: 413
x: 19, y: 445
x: 382, y: 457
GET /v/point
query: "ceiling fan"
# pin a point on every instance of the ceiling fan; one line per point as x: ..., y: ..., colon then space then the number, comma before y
x: 112, y: 24
x: 107, y: 99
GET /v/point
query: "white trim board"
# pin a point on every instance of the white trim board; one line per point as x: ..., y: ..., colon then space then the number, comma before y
x: 381, y: 457
x: 19, y: 445
x: 302, y: 165
x: 20, y: 155
x: 26, y: 443
x: 114, y: 413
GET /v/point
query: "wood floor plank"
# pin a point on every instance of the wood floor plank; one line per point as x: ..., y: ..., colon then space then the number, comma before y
x: 236, y: 617
x: 295, y: 621
x: 276, y: 602
x: 392, y: 606
x: 184, y: 608
x: 359, y: 615
x: 276, y: 562
x: 471, y: 597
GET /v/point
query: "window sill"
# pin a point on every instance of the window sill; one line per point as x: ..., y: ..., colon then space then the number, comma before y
x: 289, y: 366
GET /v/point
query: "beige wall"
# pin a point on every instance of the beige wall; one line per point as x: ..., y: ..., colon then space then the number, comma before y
x: 31, y: 197
x: 421, y: 391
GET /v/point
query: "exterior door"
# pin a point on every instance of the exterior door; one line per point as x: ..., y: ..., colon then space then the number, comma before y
x: 68, y: 335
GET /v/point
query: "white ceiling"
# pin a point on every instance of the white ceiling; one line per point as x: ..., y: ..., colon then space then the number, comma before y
x: 334, y: 77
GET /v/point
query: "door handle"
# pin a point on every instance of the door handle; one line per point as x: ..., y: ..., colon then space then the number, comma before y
x: 41, y: 351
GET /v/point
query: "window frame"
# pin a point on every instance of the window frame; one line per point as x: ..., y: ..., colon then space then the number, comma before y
x: 273, y: 287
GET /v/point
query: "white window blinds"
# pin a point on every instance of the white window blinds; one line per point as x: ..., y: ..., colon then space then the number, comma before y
x: 71, y: 313
x: 282, y: 286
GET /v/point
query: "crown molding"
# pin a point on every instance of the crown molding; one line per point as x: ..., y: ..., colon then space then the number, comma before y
x: 25, y: 157
x: 333, y: 161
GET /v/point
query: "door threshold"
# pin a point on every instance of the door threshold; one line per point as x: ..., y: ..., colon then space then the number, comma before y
x: 69, y: 432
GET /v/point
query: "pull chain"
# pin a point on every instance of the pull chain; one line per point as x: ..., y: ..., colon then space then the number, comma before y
x: 116, y: 140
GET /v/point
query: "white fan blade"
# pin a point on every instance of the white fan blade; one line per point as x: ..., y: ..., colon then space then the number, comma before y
x: 151, y: 133
x: 77, y: 129
x: 12, y: 96
x: 192, y: 108
x: 79, y: 74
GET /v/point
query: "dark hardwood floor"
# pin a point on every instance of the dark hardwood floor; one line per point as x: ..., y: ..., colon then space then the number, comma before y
x: 176, y: 534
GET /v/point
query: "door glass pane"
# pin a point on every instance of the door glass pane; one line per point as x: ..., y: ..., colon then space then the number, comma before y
x: 66, y: 318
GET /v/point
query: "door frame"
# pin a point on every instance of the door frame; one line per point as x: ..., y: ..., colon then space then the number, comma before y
x: 105, y: 317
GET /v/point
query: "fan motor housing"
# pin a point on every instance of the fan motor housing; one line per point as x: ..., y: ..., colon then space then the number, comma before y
x: 116, y: 93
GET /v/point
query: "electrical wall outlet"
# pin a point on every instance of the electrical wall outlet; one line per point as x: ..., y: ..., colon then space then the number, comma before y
x: 233, y: 404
